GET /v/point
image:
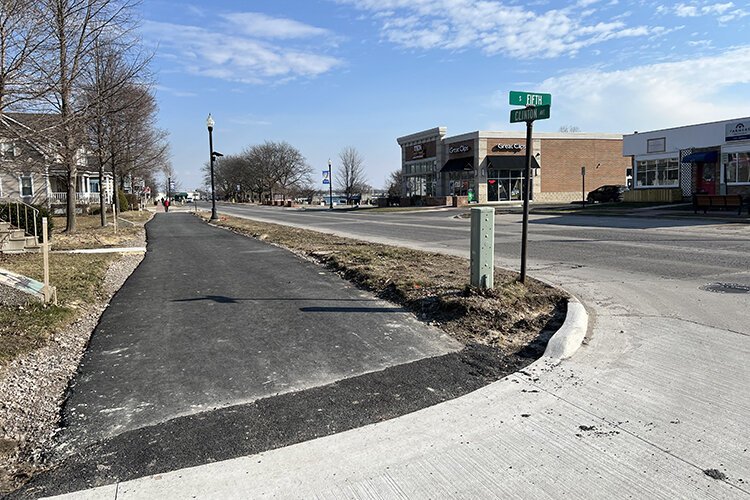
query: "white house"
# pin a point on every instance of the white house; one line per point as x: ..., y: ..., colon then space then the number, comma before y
x: 30, y: 171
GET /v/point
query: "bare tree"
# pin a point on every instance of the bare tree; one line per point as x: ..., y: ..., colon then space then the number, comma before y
x: 290, y: 168
x: 170, y: 176
x: 118, y: 100
x: 75, y: 27
x: 21, y: 34
x: 230, y: 171
x: 350, y: 177
x: 276, y: 167
x: 395, y: 183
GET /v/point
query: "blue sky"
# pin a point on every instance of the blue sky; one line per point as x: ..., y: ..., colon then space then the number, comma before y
x: 325, y: 74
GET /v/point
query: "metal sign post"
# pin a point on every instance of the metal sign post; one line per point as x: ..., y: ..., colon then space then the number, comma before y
x: 526, y: 196
x: 537, y: 108
x: 330, y: 186
x: 583, y: 187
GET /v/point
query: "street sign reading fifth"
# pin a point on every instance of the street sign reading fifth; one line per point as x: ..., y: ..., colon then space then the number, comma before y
x: 529, y: 114
x: 529, y: 99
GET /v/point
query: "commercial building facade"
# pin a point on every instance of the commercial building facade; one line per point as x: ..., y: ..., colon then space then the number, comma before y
x: 708, y: 158
x: 489, y: 167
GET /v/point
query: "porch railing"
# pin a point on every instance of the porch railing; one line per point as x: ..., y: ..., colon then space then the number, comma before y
x: 21, y: 215
x: 80, y: 198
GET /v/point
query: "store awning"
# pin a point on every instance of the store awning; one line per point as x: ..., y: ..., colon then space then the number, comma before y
x: 508, y: 162
x: 701, y: 157
x: 458, y: 165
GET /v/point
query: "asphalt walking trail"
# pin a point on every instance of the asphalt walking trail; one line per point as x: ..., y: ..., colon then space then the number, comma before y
x: 211, y: 320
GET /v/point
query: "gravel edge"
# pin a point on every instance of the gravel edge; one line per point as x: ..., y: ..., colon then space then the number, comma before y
x: 33, y: 387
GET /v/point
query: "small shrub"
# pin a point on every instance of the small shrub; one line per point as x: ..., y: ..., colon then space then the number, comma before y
x: 133, y: 200
x: 124, y: 205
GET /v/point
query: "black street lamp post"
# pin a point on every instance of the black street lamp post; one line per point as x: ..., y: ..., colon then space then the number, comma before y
x: 210, y: 124
x: 330, y: 186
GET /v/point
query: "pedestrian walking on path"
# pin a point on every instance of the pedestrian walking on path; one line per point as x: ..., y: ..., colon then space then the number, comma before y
x: 166, y: 205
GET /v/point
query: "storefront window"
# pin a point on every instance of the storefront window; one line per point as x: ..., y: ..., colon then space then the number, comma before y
x: 657, y: 173
x: 504, y: 185
x: 421, y: 185
x: 738, y: 168
x: 459, y: 183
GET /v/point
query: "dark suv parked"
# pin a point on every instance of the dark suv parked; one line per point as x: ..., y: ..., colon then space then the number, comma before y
x: 606, y: 193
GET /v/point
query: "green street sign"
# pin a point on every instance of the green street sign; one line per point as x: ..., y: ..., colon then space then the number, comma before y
x: 529, y: 114
x: 529, y: 99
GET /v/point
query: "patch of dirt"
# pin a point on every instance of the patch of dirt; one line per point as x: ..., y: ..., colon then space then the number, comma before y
x: 715, y: 474
x: 90, y: 234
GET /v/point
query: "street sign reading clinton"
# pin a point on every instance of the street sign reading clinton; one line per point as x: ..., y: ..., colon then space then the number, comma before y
x: 529, y: 114
x: 529, y: 99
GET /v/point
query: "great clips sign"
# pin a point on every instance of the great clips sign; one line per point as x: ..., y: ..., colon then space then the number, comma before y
x: 460, y: 148
x: 738, y: 131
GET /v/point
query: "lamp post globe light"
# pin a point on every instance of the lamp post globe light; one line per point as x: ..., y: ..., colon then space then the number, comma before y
x: 210, y: 124
x: 330, y: 186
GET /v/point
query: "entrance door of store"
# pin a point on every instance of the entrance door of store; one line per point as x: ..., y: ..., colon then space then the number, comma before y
x: 492, y: 194
x: 706, y: 177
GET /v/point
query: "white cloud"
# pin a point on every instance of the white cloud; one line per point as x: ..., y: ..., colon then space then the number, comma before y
x: 652, y: 96
x: 725, y: 12
x: 175, y: 92
x: 495, y: 27
x: 263, y: 26
x: 236, y: 57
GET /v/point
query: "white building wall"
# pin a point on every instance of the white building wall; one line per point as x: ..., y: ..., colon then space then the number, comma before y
x: 691, y: 136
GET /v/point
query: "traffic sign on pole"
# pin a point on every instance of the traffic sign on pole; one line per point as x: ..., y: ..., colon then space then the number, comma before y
x: 529, y: 99
x: 529, y: 114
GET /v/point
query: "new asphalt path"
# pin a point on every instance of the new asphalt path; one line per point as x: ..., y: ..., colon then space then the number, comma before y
x: 213, y: 319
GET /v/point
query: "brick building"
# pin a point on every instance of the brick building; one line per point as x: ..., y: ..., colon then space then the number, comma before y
x: 489, y: 166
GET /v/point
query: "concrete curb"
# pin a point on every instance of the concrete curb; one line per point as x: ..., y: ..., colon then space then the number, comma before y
x: 566, y: 341
x: 103, y: 250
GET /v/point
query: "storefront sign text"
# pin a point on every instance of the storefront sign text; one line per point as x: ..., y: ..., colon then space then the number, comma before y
x: 738, y: 131
x: 509, y: 147
x: 459, y: 149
